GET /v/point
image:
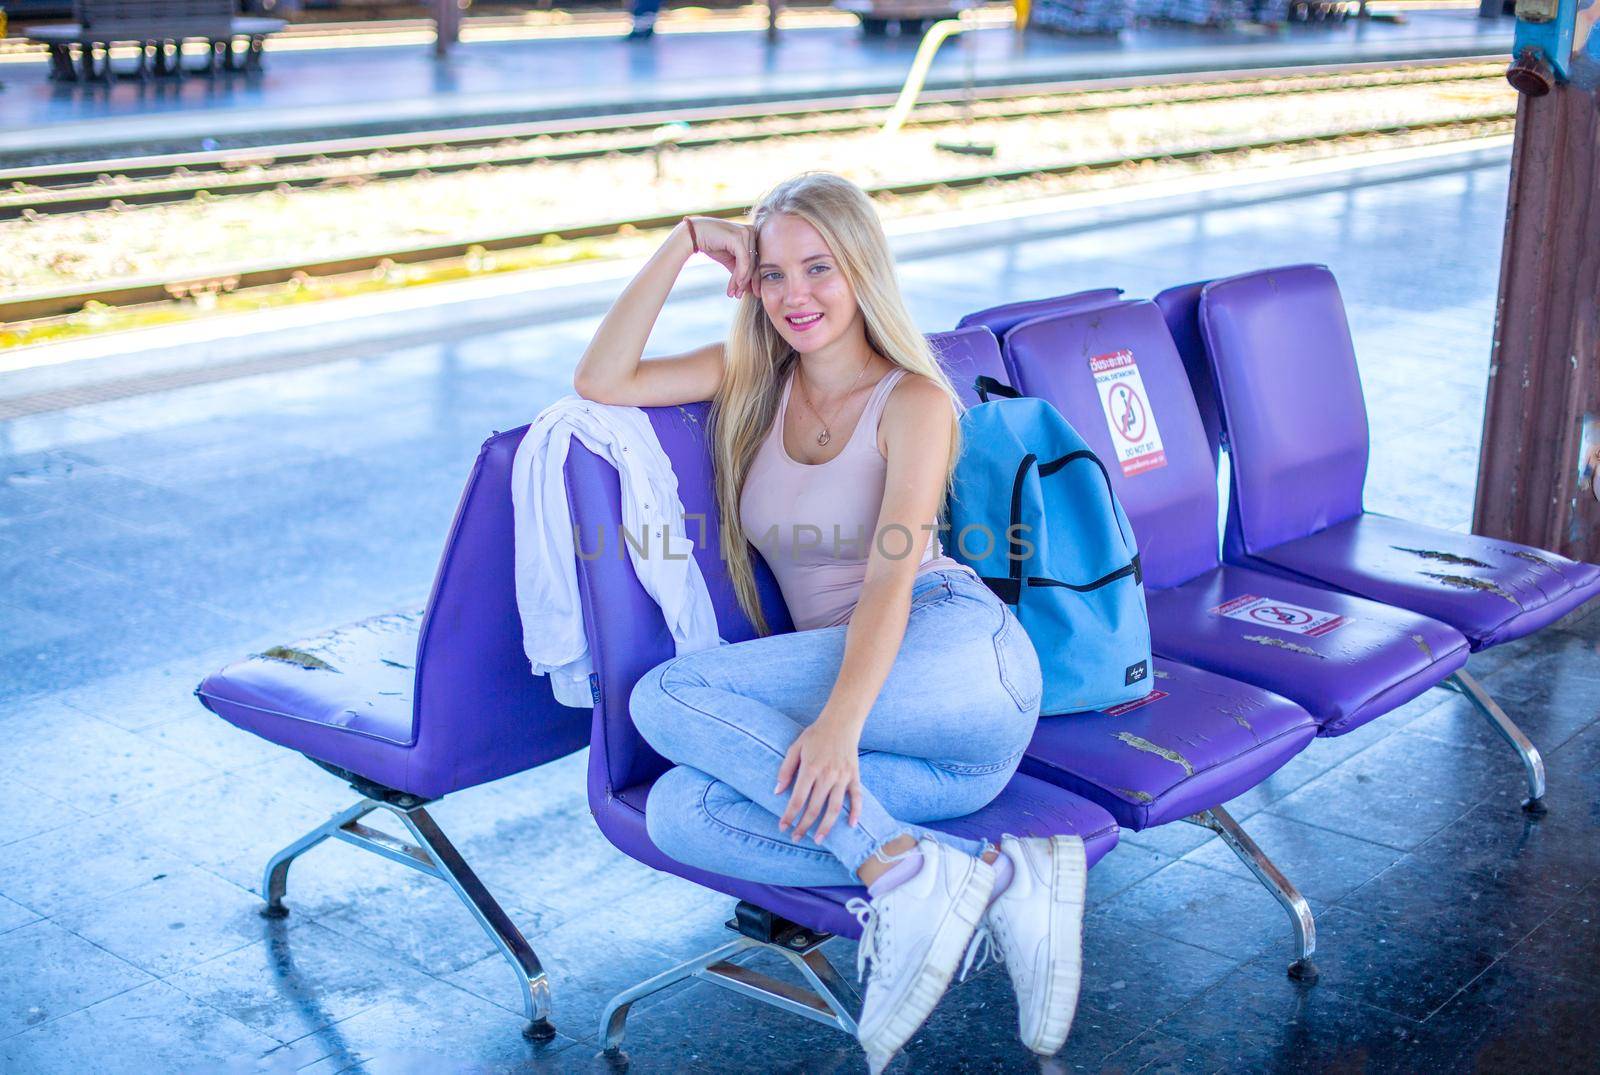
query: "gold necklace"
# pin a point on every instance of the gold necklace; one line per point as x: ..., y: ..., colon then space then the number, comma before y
x: 825, y: 436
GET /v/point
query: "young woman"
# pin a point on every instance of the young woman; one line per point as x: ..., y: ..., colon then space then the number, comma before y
x: 908, y: 691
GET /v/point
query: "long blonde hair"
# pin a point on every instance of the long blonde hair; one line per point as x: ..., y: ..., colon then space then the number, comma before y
x: 758, y: 360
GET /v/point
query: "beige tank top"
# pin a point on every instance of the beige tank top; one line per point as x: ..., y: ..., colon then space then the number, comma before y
x: 813, y: 522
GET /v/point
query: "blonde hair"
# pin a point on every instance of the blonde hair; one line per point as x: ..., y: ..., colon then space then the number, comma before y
x: 758, y: 360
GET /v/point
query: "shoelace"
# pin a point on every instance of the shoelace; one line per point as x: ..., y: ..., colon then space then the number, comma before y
x: 981, y: 948
x: 870, y: 947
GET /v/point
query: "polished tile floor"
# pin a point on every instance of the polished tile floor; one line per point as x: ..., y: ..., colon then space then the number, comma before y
x: 145, y: 541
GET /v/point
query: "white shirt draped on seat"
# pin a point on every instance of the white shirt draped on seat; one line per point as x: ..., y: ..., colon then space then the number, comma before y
x: 546, y: 572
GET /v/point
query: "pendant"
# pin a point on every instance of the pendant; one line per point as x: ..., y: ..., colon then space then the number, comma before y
x: 824, y: 437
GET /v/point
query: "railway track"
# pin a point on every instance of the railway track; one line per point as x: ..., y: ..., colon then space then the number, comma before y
x: 127, y: 183
x: 29, y: 307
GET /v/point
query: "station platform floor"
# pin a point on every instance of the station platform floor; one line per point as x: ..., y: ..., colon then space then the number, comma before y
x: 146, y: 541
x: 391, y: 87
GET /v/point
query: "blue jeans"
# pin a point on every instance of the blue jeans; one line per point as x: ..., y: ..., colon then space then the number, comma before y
x: 942, y: 740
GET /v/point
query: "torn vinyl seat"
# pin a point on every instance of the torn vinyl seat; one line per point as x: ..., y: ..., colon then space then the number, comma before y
x: 1193, y: 743
x: 1232, y: 640
x: 1196, y: 741
x: 1281, y: 421
x: 412, y: 707
x: 1116, y: 376
x: 627, y: 637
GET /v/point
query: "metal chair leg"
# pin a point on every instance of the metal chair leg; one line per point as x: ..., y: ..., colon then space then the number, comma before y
x: 276, y: 879
x: 830, y: 985
x: 434, y: 855
x: 1239, y: 842
x: 450, y: 867
x: 1481, y: 700
x: 614, y: 1020
x: 830, y: 1000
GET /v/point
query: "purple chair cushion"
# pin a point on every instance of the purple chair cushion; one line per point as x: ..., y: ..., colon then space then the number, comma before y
x: 1491, y: 591
x: 627, y: 637
x: 346, y: 694
x: 1027, y: 807
x: 967, y: 354
x: 1282, y: 636
x: 1002, y: 319
x: 1173, y: 504
x: 426, y: 707
x: 1290, y: 396
x: 1196, y: 741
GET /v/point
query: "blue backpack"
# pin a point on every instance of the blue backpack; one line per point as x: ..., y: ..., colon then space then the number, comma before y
x: 1062, y: 554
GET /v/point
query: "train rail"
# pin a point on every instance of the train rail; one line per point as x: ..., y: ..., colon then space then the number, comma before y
x: 130, y: 293
x: 127, y: 183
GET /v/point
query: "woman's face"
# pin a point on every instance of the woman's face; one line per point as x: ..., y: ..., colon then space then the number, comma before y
x: 802, y: 288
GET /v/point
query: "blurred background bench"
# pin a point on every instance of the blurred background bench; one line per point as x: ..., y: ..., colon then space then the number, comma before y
x: 158, y: 29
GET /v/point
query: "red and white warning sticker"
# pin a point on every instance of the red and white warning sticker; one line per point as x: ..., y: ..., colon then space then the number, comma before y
x: 1127, y: 406
x: 1129, y: 707
x: 1281, y: 615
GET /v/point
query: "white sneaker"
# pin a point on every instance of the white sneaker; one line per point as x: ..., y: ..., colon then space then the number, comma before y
x: 915, y: 935
x: 1037, y: 923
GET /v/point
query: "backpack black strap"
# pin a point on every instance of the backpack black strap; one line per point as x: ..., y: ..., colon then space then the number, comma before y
x: 1009, y: 589
x: 986, y: 386
x: 1120, y: 573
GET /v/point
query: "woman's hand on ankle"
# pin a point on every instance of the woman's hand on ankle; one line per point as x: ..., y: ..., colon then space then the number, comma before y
x: 824, y: 767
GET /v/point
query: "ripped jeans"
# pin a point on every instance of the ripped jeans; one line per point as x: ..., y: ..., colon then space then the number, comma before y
x: 942, y: 740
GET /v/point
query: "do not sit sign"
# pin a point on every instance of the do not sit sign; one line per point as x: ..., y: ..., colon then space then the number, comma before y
x: 1126, y: 404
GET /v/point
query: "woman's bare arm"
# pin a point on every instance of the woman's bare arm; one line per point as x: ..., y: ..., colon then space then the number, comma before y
x: 612, y: 369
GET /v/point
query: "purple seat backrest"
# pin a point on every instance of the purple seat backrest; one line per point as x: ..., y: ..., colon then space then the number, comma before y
x: 1291, y: 403
x: 1172, y: 504
x: 626, y: 632
x: 1181, y: 307
x: 479, y: 712
x: 1002, y: 319
x: 966, y: 354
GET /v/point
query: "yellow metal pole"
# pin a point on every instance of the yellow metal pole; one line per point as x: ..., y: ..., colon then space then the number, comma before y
x: 937, y: 34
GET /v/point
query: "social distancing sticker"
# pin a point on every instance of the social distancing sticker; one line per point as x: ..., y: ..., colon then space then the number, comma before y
x: 1267, y: 612
x: 1128, y: 414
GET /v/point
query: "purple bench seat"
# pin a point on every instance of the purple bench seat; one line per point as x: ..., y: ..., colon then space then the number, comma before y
x: 412, y: 707
x: 1375, y: 660
x: 1281, y: 421
x: 627, y: 637
x: 1492, y: 590
x: 1238, y: 735
x: 1344, y: 659
x: 1196, y: 741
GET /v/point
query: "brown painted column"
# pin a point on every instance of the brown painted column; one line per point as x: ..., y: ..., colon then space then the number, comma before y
x: 1544, y: 372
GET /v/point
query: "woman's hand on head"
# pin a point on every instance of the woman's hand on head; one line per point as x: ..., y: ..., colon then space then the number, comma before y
x: 731, y: 245
x: 824, y: 766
